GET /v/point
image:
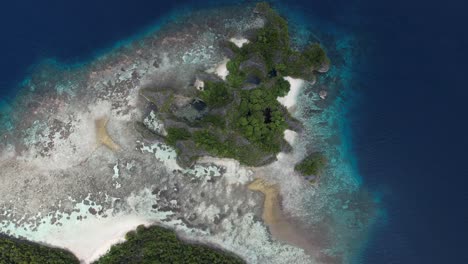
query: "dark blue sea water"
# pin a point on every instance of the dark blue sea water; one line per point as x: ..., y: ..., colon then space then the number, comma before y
x: 408, y: 130
x: 70, y: 31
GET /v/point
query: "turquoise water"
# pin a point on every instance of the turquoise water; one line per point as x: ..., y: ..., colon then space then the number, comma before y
x: 341, y: 195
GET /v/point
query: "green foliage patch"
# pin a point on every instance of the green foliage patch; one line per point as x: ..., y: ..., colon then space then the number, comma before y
x: 211, y: 143
x: 260, y: 119
x: 157, y: 245
x: 315, y: 56
x: 228, y: 148
x: 235, y: 77
x: 216, y: 94
x: 217, y: 121
x: 312, y: 164
x: 14, y: 251
x: 174, y: 134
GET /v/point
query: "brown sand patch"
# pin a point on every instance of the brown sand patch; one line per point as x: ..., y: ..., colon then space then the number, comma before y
x: 271, y: 209
x: 280, y: 227
x: 103, y: 137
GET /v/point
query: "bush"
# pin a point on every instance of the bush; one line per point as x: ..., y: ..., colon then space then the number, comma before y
x: 215, y: 120
x: 130, y: 235
x: 315, y: 56
x: 311, y: 165
x: 262, y: 7
x: 174, y: 134
x: 209, y: 142
x: 216, y: 94
x: 235, y: 77
x: 19, y: 251
x: 159, y: 245
x: 281, y: 87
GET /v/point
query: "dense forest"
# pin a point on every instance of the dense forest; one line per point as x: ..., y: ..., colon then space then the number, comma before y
x: 160, y: 245
x: 15, y: 251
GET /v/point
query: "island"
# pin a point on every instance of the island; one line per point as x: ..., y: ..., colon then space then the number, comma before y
x: 213, y: 137
x: 238, y: 116
x: 311, y: 166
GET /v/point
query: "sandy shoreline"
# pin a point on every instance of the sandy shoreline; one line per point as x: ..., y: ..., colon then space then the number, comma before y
x: 271, y: 209
x: 290, y: 100
x: 110, y: 235
x: 239, y: 41
x: 279, y: 226
x: 103, y: 137
x: 220, y: 69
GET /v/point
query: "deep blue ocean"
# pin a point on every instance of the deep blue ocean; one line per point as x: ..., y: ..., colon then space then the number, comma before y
x: 408, y: 129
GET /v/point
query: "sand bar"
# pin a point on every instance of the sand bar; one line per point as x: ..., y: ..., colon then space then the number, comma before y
x: 103, y: 137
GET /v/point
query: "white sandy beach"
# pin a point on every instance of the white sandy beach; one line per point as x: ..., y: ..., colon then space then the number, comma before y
x: 104, y: 234
x: 220, y: 69
x: 239, y: 41
x: 89, y: 238
x: 290, y: 100
x: 290, y: 136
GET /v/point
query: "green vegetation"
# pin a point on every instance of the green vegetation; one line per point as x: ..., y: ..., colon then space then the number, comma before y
x: 174, y: 134
x: 260, y: 119
x: 273, y: 45
x: 159, y: 245
x: 312, y: 164
x: 315, y: 56
x: 243, y: 118
x: 281, y: 87
x: 235, y: 77
x: 216, y: 94
x: 272, y: 40
x: 248, y: 154
x: 210, y: 142
x: 215, y: 120
x: 14, y: 251
x: 165, y: 107
x: 262, y: 7
x: 145, y: 245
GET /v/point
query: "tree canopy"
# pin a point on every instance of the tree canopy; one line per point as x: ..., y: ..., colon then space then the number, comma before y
x: 15, y: 251
x: 243, y: 111
x: 312, y: 164
x: 160, y: 245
